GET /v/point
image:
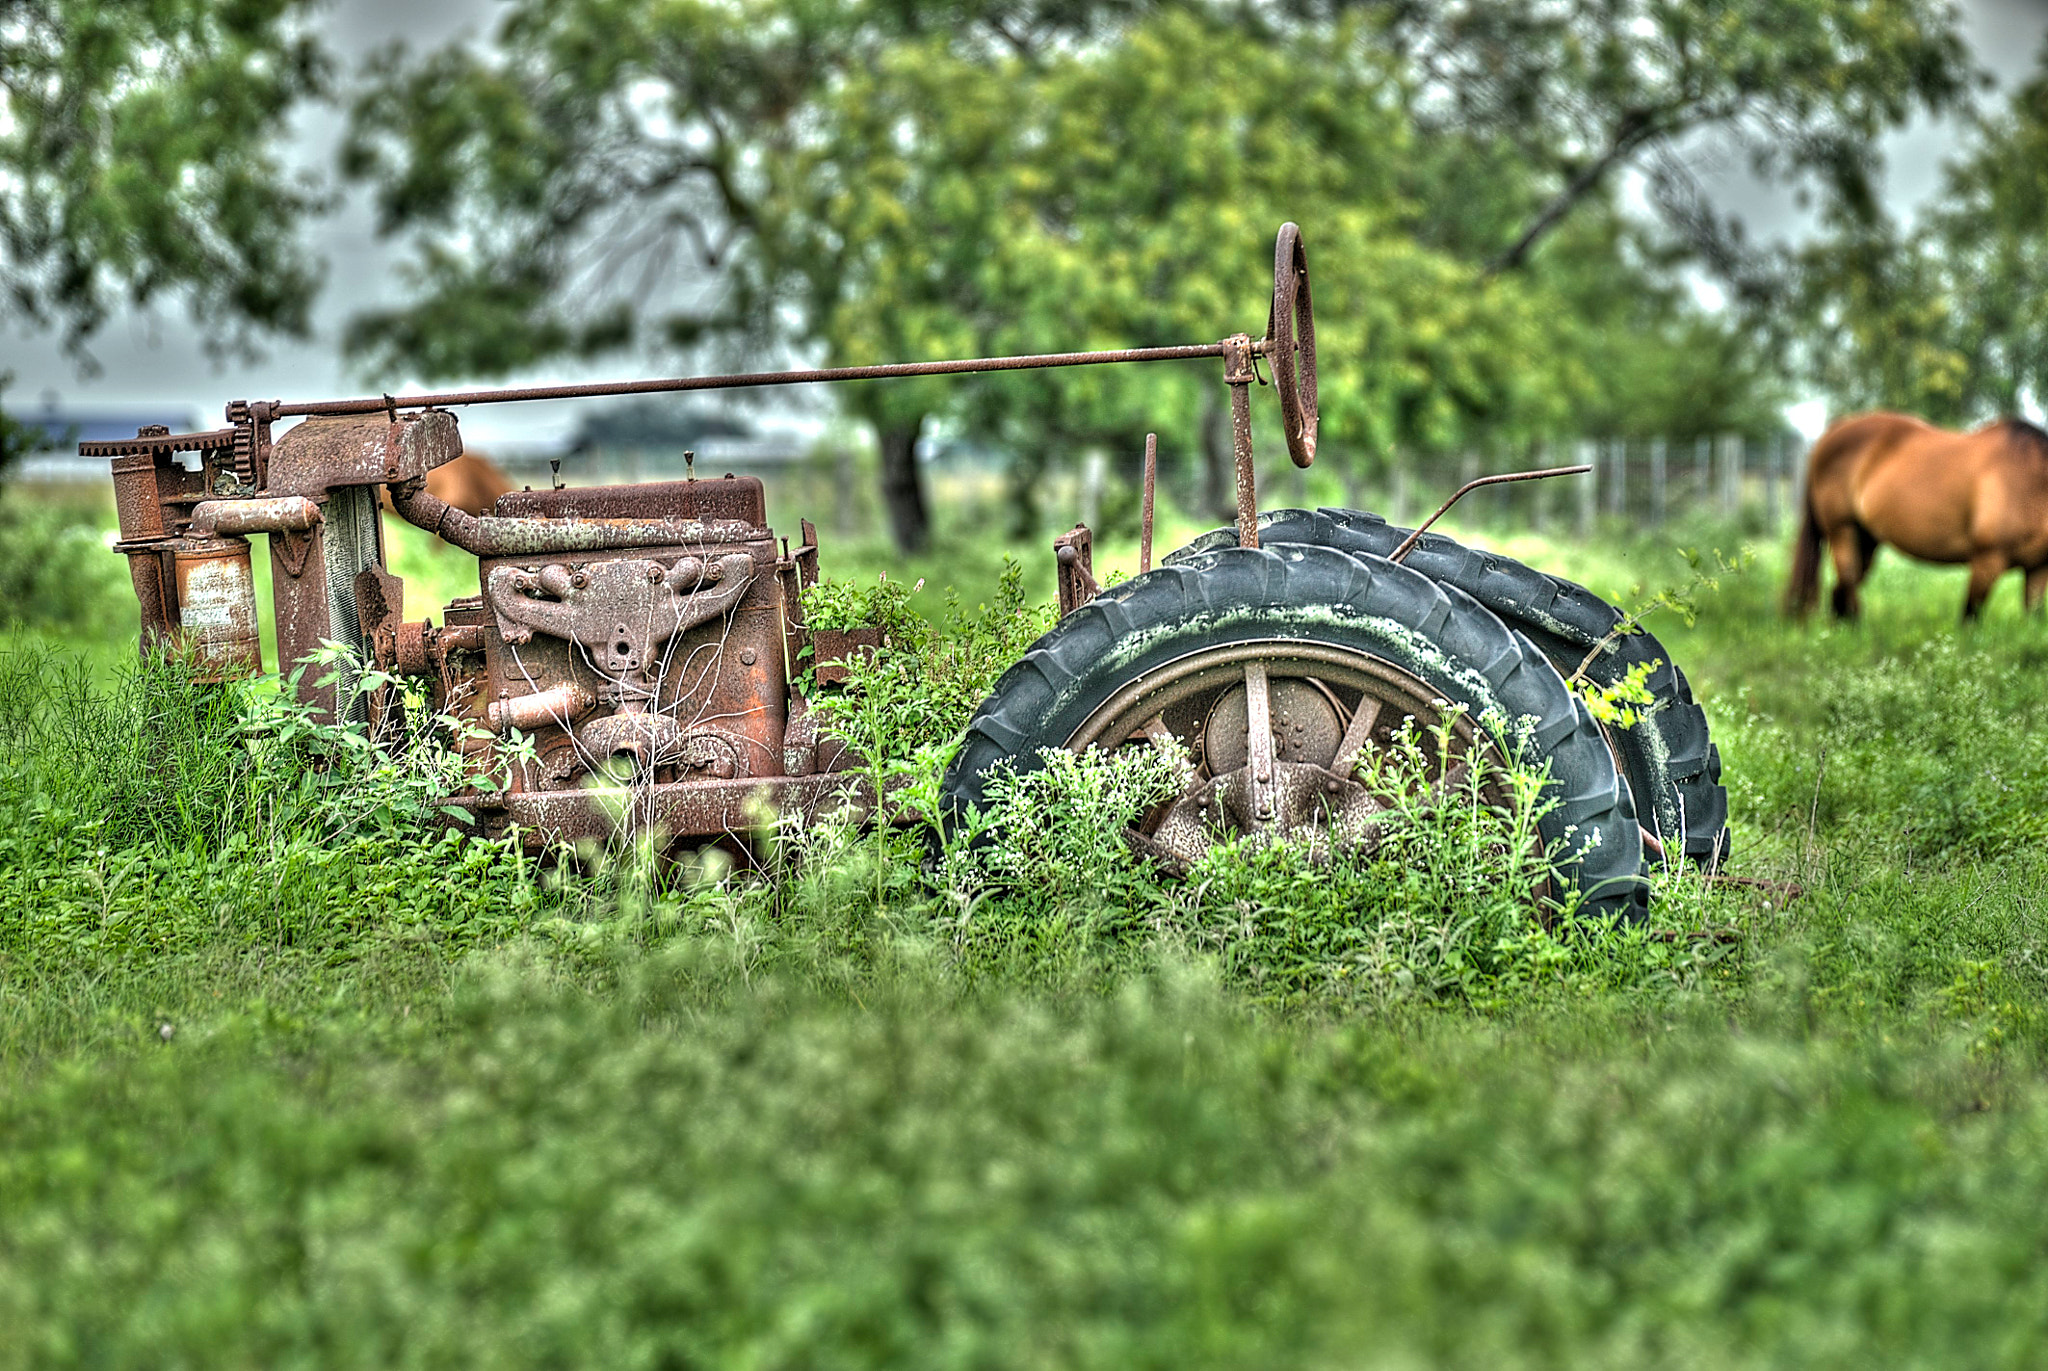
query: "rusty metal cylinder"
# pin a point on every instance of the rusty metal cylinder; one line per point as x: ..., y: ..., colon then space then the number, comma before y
x: 560, y: 705
x: 284, y: 514
x: 216, y: 594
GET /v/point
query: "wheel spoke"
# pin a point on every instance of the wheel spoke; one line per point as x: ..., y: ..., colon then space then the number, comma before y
x: 1258, y: 700
x: 1356, y: 735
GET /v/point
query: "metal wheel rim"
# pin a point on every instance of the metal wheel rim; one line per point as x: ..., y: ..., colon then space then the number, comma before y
x: 1195, y: 681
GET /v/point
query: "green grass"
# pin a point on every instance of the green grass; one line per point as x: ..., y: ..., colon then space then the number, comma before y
x: 283, y: 1081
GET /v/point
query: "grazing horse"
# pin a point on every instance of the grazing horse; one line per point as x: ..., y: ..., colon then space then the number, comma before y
x: 1978, y: 497
x: 472, y: 483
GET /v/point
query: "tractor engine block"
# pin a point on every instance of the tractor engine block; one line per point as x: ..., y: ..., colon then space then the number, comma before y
x: 663, y: 661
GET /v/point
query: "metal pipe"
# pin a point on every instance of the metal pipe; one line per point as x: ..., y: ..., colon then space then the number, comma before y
x: 1409, y: 542
x: 1145, y: 511
x: 653, y: 386
x: 422, y: 509
x: 492, y: 537
x: 559, y: 705
x: 278, y: 514
x: 1238, y: 375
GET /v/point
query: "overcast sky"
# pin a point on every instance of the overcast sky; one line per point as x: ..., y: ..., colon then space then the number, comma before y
x: 151, y: 360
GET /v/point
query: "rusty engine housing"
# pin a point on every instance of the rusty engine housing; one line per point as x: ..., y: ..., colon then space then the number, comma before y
x: 667, y: 659
x: 639, y: 639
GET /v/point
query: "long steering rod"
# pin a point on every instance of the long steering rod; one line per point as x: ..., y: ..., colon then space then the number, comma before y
x: 1289, y: 345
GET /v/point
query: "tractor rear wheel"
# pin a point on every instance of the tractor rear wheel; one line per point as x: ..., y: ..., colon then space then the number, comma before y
x: 1276, y: 669
x: 1672, y: 765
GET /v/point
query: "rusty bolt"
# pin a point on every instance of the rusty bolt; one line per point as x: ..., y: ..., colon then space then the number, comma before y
x: 747, y: 657
x: 653, y: 575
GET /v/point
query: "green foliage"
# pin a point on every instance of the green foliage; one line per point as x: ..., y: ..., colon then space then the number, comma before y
x: 919, y: 690
x: 866, y: 186
x: 671, y: 1173
x: 1933, y: 750
x: 54, y: 570
x: 142, y: 161
x: 1622, y: 703
x: 1946, y: 318
x: 278, y: 1086
x: 885, y: 605
x: 1438, y: 910
x: 1803, y: 89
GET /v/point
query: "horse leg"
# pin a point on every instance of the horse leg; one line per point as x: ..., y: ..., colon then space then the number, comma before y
x: 1851, y: 546
x: 1985, y: 569
x: 2037, y: 586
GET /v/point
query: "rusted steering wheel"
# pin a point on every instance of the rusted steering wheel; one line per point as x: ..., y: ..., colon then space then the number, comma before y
x: 1291, y: 344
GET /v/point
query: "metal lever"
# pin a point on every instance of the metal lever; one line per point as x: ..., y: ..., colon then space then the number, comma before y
x: 1408, y: 543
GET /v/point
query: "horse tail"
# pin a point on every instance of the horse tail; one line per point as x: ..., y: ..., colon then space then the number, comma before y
x: 1802, y: 592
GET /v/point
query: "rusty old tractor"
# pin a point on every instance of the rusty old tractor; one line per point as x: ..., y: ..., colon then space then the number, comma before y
x: 647, y: 641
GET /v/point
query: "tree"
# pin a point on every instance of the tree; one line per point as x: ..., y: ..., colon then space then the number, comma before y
x: 140, y: 160
x: 873, y: 180
x: 1990, y: 231
x: 1020, y: 178
x: 1581, y: 89
x: 1947, y: 319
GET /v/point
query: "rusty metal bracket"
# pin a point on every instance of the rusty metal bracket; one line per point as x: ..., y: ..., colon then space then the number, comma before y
x: 1408, y: 543
x: 1075, y: 552
x: 291, y: 548
x: 798, y: 571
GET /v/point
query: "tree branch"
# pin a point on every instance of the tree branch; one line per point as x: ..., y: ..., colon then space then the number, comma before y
x: 1635, y: 130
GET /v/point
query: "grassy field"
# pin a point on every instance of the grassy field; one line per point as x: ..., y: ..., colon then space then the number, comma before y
x: 284, y: 1082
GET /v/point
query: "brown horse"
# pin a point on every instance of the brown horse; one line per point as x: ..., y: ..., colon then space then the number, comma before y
x: 472, y: 483
x: 1978, y: 497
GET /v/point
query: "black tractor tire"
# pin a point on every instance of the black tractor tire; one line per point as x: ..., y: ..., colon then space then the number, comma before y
x: 1672, y: 765
x: 1321, y: 595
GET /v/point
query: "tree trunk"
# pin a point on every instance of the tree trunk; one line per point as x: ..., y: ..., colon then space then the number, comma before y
x: 903, y: 485
x: 1219, y: 461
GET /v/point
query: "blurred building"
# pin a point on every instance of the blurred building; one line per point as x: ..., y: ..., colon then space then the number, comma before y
x: 54, y: 457
x: 646, y: 440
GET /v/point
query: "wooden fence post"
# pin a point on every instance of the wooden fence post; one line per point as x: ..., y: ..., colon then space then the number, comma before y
x: 1656, y: 482
x: 1617, y: 481
x: 1774, y: 460
x: 1589, y: 488
x: 1731, y: 474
